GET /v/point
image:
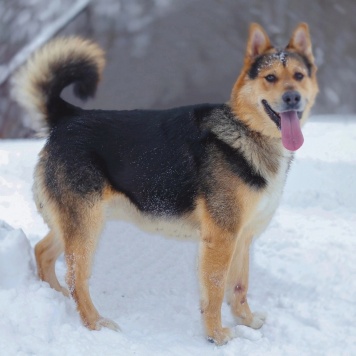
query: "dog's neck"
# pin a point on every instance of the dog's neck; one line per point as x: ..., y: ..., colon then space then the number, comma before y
x: 263, y: 152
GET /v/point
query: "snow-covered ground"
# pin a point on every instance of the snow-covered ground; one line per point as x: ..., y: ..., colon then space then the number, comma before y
x: 303, y: 270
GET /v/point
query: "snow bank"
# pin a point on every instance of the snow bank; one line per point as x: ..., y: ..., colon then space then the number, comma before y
x: 15, y: 257
x: 302, y: 271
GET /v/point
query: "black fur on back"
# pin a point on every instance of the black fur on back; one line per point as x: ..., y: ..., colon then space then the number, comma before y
x: 161, y: 160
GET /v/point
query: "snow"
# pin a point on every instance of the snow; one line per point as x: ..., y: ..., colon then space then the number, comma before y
x: 302, y: 271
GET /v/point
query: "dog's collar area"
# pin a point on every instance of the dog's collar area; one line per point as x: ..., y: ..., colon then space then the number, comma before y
x: 274, y: 116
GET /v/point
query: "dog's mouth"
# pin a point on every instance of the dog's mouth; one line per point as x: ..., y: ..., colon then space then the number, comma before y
x: 288, y: 123
x: 274, y: 116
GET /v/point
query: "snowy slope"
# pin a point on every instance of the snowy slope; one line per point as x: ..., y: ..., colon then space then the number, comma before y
x: 303, y: 270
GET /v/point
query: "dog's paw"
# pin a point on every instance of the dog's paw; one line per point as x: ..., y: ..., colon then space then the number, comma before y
x: 106, y: 323
x: 255, y: 321
x: 258, y: 320
x: 64, y: 291
x: 222, y: 336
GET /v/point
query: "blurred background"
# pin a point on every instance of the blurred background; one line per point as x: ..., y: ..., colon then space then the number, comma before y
x: 165, y: 53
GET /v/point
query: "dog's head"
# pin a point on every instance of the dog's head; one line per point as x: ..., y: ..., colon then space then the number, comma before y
x: 277, y: 87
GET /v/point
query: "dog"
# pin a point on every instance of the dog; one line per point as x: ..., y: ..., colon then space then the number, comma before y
x: 215, y: 171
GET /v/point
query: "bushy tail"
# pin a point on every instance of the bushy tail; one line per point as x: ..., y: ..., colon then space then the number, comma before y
x: 63, y: 61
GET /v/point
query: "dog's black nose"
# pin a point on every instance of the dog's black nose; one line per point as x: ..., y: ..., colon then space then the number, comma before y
x: 291, y: 99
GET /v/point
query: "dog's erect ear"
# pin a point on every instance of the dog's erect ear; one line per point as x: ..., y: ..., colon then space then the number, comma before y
x: 258, y: 41
x: 301, y: 42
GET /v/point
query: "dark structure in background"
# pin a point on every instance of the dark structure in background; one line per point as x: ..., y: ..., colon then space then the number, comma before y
x: 164, y: 53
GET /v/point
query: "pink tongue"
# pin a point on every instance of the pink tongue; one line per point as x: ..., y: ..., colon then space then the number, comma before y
x: 292, y: 137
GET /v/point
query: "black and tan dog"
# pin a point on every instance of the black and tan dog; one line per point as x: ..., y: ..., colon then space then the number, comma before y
x: 215, y: 171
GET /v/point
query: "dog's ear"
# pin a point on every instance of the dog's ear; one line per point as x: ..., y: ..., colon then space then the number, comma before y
x: 301, y: 42
x: 258, y: 41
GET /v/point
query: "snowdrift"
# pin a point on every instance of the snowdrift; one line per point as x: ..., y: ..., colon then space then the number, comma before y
x: 302, y: 271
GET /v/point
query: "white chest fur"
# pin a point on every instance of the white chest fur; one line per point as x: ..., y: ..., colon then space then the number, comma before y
x: 270, y: 199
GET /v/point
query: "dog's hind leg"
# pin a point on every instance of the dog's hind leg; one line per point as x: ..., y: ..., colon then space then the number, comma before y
x: 47, y: 251
x: 237, y: 285
x: 80, y: 241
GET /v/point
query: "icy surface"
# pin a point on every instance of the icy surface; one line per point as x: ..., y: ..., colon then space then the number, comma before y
x: 302, y: 271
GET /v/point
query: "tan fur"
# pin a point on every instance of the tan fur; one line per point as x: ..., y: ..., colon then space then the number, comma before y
x: 47, y: 251
x: 237, y: 283
x: 80, y: 245
x: 216, y: 250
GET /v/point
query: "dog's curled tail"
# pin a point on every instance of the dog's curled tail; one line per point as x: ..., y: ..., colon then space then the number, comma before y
x: 63, y: 61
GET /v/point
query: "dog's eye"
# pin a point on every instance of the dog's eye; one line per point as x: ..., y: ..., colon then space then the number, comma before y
x: 298, y: 76
x: 271, y: 78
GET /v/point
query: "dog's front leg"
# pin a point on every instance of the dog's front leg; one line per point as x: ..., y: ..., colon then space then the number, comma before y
x: 237, y: 285
x: 216, y: 251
